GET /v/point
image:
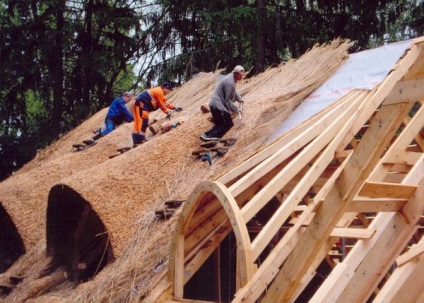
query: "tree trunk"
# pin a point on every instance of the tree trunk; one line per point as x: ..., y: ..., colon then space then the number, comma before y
x: 260, y: 38
x: 57, y: 69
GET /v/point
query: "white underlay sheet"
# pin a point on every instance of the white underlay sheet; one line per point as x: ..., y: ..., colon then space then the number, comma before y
x: 363, y: 70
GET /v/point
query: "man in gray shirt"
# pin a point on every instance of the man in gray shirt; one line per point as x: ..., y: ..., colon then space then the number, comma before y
x: 222, y: 105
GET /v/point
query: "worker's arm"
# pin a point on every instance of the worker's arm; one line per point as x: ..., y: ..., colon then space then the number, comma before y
x: 159, y: 97
x: 229, y: 94
x: 238, y: 98
x: 124, y: 111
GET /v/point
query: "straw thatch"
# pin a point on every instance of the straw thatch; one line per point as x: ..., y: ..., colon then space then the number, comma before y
x: 124, y: 191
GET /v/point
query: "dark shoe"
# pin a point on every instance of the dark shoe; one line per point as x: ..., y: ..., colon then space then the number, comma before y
x: 88, y: 142
x: 98, y: 136
x: 138, y: 139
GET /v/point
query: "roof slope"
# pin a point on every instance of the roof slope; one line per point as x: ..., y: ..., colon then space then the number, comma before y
x: 125, y: 190
x: 330, y: 212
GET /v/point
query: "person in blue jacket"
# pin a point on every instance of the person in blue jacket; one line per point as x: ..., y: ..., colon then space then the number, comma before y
x: 116, y: 115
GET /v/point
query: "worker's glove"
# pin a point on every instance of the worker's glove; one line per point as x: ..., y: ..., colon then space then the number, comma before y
x: 178, y: 109
x: 168, y: 115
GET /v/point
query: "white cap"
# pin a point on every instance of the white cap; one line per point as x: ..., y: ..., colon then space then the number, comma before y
x: 238, y: 69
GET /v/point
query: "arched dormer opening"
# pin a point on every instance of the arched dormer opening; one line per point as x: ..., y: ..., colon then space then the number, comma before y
x: 11, y: 244
x: 77, y: 239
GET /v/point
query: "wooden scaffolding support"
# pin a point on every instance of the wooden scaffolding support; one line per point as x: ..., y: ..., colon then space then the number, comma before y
x: 344, y: 190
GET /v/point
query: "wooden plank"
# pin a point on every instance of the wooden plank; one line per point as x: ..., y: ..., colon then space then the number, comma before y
x: 342, y: 126
x: 404, y: 285
x: 387, y: 190
x: 364, y: 115
x: 408, y: 134
x: 291, y: 146
x: 292, y: 136
x: 402, y: 68
x: 403, y: 157
x: 203, y: 214
x: 298, y: 163
x: 409, y: 90
x: 373, y: 257
x: 367, y: 205
x: 203, y: 232
x: 266, y: 272
x: 412, y: 211
x: 411, y: 254
x: 204, y: 251
x: 364, y: 159
x: 353, y: 233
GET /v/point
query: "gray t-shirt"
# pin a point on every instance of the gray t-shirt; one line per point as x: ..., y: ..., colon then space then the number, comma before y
x: 225, y: 94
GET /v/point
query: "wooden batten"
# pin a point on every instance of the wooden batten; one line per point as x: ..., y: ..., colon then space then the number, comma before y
x: 411, y: 254
x: 347, y: 192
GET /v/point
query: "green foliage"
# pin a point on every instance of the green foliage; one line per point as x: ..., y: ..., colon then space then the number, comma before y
x: 60, y: 64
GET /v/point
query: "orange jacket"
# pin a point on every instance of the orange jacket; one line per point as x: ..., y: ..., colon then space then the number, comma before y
x: 148, y: 101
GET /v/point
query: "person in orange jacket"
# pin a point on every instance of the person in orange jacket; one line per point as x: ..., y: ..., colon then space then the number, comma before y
x: 148, y: 101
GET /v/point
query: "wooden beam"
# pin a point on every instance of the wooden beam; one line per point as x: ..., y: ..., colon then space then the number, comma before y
x: 403, y: 157
x: 352, y: 233
x: 365, y: 157
x: 411, y: 254
x: 387, y: 190
x: 311, y: 128
x: 203, y: 232
x: 404, y: 285
x: 368, y: 205
x: 410, y: 90
x: 204, y: 251
x: 266, y: 272
x: 342, y: 126
x: 375, y: 256
x: 291, y: 146
x: 299, y: 162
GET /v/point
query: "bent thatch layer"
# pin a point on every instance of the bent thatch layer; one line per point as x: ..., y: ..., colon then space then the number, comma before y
x: 124, y: 191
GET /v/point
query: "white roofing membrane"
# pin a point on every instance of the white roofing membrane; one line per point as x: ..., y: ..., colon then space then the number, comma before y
x: 363, y: 70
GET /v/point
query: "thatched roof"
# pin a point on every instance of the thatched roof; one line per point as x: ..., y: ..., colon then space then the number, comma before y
x: 124, y: 191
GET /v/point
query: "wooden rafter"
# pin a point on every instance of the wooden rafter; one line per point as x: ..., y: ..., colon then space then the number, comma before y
x: 351, y: 175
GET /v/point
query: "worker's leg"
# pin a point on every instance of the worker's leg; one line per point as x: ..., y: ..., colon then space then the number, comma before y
x: 223, y: 123
x: 109, y: 127
x: 226, y: 125
x: 140, y: 136
x: 137, y: 119
x: 145, y: 120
